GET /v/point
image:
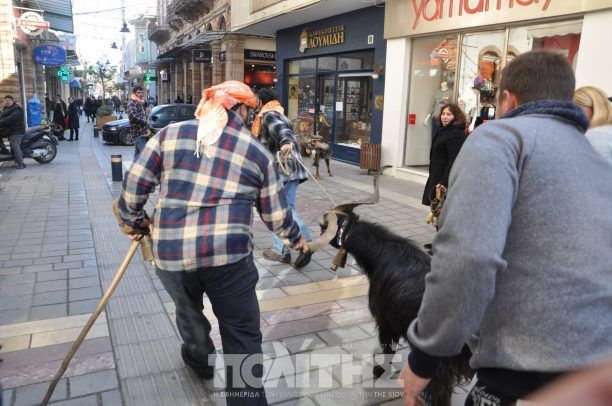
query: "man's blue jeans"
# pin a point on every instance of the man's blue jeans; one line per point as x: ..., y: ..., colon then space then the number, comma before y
x: 139, y: 144
x: 290, y: 193
x: 231, y: 290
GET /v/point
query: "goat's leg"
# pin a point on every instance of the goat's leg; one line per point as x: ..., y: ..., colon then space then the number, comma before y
x: 329, y: 172
x: 388, y: 350
x: 316, y: 165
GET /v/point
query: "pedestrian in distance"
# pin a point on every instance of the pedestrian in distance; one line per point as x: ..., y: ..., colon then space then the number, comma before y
x: 60, y: 114
x: 189, y: 99
x: 12, y: 122
x: 598, y: 109
x: 521, y: 271
x: 89, y: 109
x: 179, y: 99
x: 137, y: 117
x: 73, y: 119
x: 212, y: 172
x: 48, y: 106
x: 275, y: 131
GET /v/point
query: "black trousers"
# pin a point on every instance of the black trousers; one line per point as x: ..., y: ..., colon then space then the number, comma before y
x: 231, y: 290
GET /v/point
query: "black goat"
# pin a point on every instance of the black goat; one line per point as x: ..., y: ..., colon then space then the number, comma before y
x: 396, y: 268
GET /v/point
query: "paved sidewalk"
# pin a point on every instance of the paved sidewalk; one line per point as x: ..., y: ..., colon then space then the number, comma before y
x: 60, y: 247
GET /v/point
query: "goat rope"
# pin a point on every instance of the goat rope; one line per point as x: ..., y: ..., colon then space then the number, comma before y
x: 331, y: 199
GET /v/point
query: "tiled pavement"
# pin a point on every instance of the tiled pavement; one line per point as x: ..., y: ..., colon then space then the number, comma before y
x: 59, y: 248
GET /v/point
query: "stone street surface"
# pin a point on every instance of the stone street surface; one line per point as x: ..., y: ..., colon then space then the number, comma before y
x: 60, y: 247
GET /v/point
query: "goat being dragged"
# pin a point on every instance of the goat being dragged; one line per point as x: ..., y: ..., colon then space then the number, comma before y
x: 396, y: 268
x: 316, y: 148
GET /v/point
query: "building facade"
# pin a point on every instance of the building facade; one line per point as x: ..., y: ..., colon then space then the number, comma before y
x: 445, y: 51
x: 330, y: 67
x: 139, y: 57
x: 20, y: 75
x: 197, y: 49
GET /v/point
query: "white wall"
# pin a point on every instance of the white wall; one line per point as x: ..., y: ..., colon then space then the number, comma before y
x: 594, y: 57
x: 395, y: 113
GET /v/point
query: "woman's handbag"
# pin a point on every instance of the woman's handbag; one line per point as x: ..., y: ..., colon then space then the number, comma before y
x: 436, y: 206
x: 66, y: 123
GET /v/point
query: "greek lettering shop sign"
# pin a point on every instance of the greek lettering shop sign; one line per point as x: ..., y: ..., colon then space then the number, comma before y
x: 256, y: 55
x: 50, y: 55
x: 412, y: 17
x: 321, y: 38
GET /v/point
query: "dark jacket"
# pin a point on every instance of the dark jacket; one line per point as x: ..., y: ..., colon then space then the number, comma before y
x: 444, y: 149
x: 11, y: 121
x: 59, y: 112
x: 73, y: 115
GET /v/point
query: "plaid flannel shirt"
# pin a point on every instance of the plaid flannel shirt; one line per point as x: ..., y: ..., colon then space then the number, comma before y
x: 138, y: 118
x: 276, y: 130
x: 204, y: 212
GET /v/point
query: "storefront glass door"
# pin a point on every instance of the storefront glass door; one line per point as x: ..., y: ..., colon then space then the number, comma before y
x: 326, y: 107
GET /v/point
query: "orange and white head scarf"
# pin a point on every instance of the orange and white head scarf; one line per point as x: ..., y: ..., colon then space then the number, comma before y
x: 212, y: 111
x: 273, y: 105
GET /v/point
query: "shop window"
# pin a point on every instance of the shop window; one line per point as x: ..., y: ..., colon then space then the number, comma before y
x: 563, y: 37
x: 356, y: 61
x: 302, y: 66
x: 326, y: 64
x: 353, y: 111
x: 481, y: 65
x: 432, y: 84
x: 301, y: 103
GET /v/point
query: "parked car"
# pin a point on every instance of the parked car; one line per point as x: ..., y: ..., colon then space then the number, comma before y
x: 118, y: 131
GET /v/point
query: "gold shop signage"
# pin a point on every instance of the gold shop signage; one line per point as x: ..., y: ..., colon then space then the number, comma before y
x: 321, y: 38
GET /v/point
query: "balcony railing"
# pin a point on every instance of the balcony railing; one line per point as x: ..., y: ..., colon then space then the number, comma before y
x: 191, y: 10
x: 158, y: 33
x: 174, y: 20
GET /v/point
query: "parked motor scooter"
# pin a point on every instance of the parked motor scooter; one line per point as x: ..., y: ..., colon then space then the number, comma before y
x: 38, y: 144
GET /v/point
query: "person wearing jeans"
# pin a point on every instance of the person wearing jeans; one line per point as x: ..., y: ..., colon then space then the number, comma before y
x: 138, y: 119
x: 275, y: 131
x: 12, y: 120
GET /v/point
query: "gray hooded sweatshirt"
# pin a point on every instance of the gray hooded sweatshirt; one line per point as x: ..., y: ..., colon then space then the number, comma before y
x: 522, y: 265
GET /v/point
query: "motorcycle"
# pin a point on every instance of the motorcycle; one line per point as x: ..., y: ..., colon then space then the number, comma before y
x: 38, y: 144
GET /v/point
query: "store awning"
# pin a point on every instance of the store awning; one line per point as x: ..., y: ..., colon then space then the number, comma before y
x: 75, y: 84
x: 199, y: 41
x: 58, y: 13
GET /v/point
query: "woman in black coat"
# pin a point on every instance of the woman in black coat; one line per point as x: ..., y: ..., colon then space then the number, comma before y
x: 73, y: 119
x: 59, y: 112
x: 444, y: 149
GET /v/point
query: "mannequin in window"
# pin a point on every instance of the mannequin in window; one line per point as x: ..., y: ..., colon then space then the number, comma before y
x: 442, y: 98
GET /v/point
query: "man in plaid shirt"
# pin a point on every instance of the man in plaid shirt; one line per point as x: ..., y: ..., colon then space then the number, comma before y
x: 138, y: 119
x: 202, y: 226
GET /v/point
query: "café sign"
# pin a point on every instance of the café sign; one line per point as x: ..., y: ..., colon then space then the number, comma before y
x: 412, y: 17
x: 321, y: 38
x: 32, y: 23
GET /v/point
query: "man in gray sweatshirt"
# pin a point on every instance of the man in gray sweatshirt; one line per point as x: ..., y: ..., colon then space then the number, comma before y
x: 522, y: 265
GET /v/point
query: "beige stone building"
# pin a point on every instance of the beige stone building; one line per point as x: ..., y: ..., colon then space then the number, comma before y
x: 197, y: 49
x: 20, y: 75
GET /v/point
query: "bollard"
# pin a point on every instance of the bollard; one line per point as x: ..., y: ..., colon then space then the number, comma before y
x: 117, y: 168
x: 96, y: 132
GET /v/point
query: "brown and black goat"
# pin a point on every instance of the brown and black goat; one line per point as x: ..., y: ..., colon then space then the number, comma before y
x: 316, y: 148
x: 396, y: 268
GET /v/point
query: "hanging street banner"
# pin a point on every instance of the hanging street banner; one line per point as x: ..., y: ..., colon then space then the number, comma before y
x: 49, y: 55
x: 32, y: 23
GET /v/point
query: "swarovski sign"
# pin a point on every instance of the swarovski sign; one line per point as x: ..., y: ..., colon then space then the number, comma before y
x: 412, y: 17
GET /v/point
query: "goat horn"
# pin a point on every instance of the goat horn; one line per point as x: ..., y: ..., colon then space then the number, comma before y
x: 328, y: 235
x: 370, y: 200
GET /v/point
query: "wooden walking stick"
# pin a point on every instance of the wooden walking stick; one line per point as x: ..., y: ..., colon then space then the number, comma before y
x: 92, y: 320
